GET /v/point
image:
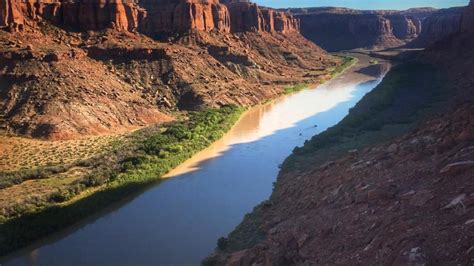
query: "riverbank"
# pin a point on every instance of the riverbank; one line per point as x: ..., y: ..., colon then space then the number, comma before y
x: 83, y: 187
x: 141, y: 162
x: 344, y: 195
x: 347, y: 63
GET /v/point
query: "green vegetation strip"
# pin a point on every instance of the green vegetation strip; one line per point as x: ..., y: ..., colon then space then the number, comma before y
x: 155, y: 156
x: 347, y: 62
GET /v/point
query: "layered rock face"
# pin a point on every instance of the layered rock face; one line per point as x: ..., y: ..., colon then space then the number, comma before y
x: 440, y: 24
x: 116, y: 79
x: 149, y: 16
x: 343, y: 29
x: 468, y: 18
x: 405, y: 27
x: 75, y: 15
x: 247, y: 16
x: 167, y: 16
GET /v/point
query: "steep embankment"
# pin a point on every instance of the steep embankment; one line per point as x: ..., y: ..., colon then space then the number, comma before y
x: 390, y: 184
x: 79, y: 68
x: 344, y: 29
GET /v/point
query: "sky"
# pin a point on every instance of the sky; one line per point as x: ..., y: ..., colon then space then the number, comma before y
x: 363, y: 4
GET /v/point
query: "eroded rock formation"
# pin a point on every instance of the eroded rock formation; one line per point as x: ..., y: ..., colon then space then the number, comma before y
x: 11, y: 16
x: 75, y: 15
x: 247, y: 16
x: 342, y: 29
x: 165, y: 16
x: 148, y: 16
x: 440, y: 24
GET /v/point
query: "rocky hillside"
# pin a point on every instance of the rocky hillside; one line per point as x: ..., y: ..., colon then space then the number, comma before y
x: 344, y: 29
x: 390, y: 185
x: 75, y: 68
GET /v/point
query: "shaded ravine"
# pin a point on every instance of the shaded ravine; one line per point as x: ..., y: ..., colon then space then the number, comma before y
x: 179, y: 220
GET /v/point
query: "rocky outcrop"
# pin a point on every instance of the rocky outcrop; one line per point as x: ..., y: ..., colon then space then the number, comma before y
x: 155, y: 18
x: 246, y: 16
x: 405, y: 27
x: 74, y: 15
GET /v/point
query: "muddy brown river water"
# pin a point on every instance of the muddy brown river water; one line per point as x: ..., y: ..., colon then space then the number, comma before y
x: 178, y: 221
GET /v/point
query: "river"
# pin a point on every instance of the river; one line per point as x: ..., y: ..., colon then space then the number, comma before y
x: 178, y: 221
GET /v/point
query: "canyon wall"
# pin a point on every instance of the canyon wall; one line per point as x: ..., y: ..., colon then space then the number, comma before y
x: 440, y: 24
x: 117, y: 80
x: 11, y: 16
x: 74, y: 15
x: 167, y: 16
x: 343, y: 29
x: 468, y: 18
x: 247, y: 16
x: 152, y: 17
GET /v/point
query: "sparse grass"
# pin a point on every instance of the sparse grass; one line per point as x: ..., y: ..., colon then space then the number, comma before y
x: 347, y: 62
x: 20, y: 154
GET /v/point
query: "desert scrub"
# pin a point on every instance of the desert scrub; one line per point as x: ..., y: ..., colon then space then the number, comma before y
x: 139, y: 163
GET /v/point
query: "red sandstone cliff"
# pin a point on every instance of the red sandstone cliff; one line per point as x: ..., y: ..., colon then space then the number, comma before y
x: 165, y: 16
x: 75, y: 15
x: 149, y: 16
x: 114, y: 77
x: 247, y: 16
x: 343, y: 29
